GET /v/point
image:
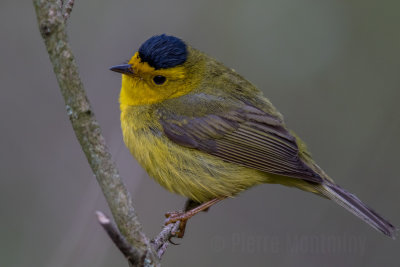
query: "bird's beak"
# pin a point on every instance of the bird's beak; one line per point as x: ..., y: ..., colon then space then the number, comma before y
x: 124, y: 69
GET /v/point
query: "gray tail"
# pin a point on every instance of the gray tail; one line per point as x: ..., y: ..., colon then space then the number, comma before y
x: 355, y: 206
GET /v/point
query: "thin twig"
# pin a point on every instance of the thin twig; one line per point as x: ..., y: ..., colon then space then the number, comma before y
x: 52, y: 27
x: 67, y: 6
x: 130, y: 253
x: 130, y: 239
x: 60, y: 4
x: 162, y: 240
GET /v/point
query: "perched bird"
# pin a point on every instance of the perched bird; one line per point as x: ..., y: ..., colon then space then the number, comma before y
x: 203, y: 131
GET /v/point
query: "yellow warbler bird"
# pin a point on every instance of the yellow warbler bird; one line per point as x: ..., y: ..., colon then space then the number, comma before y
x: 204, y: 132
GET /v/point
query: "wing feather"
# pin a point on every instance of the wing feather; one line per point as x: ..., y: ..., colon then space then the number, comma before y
x: 246, y: 136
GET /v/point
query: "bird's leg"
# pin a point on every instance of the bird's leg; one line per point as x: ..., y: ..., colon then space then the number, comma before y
x: 191, y: 204
x: 184, y: 216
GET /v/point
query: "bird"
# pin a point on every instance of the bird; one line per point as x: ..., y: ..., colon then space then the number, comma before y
x: 203, y: 131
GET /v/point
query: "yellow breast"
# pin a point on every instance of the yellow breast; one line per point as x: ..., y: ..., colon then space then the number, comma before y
x: 181, y: 170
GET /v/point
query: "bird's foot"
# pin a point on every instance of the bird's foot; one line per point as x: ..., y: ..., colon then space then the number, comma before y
x: 184, y: 216
x: 175, y: 216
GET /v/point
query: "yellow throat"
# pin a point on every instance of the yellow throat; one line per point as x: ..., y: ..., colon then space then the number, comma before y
x: 139, y: 88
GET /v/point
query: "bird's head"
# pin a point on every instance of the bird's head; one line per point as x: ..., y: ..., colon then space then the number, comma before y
x: 164, y: 67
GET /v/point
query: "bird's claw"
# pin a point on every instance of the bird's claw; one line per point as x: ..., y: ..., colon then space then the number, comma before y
x: 173, y: 217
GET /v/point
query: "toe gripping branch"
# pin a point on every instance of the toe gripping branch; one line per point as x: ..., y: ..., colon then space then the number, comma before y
x: 191, y: 209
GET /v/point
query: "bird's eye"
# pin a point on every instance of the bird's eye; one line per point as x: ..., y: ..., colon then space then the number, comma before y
x: 159, y: 79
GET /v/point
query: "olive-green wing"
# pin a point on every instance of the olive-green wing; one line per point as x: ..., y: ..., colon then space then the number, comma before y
x: 244, y: 135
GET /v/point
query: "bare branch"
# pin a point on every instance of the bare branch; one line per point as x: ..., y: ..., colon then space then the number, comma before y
x: 131, y: 241
x: 52, y: 27
x: 66, y: 10
x: 162, y: 240
x: 130, y: 253
x: 60, y: 3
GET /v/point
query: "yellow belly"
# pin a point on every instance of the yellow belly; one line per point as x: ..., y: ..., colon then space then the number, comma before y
x: 186, y: 171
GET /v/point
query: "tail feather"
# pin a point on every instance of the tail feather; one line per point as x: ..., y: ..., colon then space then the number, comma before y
x: 355, y: 206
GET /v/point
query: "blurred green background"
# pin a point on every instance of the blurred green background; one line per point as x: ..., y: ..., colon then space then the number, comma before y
x: 331, y: 67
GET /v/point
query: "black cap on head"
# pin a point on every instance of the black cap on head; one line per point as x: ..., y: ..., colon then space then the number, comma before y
x: 163, y: 51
